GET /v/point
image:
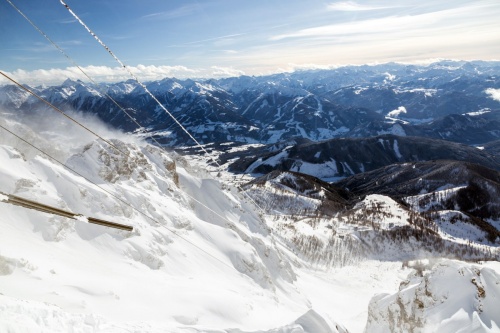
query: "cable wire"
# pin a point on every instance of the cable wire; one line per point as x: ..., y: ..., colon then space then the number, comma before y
x: 151, y: 95
x: 60, y: 111
x: 23, y: 202
x: 135, y: 78
x: 120, y: 199
x: 77, y: 66
x: 133, y: 119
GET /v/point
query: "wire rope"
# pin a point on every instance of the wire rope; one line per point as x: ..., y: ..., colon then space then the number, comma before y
x: 137, y: 80
x: 151, y: 95
x: 139, y: 125
x: 120, y: 199
x: 133, y: 119
x: 77, y: 66
x: 60, y: 111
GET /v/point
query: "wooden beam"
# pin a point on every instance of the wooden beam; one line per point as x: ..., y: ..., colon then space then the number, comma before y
x: 18, y: 201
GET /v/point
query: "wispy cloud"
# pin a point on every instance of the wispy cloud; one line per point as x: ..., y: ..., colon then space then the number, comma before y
x: 68, y: 21
x: 351, y: 6
x: 39, y: 47
x: 371, y: 26
x: 174, y: 13
x: 117, y: 37
x: 225, y: 37
x: 70, y: 42
x: 428, y: 23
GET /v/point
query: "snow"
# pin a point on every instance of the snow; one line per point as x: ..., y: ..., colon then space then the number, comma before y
x: 396, y: 150
x: 324, y: 170
x: 478, y: 113
x: 494, y: 93
x: 17, y: 98
x: 396, y: 113
x: 201, y: 258
x: 426, y: 92
x: 395, y: 214
x: 272, y: 161
x: 458, y: 230
x: 350, y: 287
x: 449, y: 296
x: 441, y: 194
x: 82, y: 218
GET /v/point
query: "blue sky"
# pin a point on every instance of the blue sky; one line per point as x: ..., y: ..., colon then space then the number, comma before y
x: 214, y: 38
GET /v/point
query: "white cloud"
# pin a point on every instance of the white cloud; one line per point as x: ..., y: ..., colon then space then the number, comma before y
x: 465, y: 32
x: 215, y: 39
x: 115, y: 74
x: 494, y: 93
x: 218, y: 71
x: 307, y: 66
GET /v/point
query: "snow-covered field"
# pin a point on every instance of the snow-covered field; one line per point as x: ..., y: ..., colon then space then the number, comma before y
x: 201, y: 258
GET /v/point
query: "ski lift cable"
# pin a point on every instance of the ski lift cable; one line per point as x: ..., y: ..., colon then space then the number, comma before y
x: 69, y: 58
x: 60, y: 111
x: 150, y: 94
x: 102, y: 92
x: 139, y: 125
x: 137, y: 80
x: 125, y: 202
x: 49, y: 209
x: 106, y: 141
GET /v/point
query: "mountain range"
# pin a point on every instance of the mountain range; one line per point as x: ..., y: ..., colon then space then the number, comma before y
x: 323, y: 188
x: 446, y: 100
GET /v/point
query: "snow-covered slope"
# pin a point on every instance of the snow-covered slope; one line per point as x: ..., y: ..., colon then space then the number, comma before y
x: 449, y: 296
x: 199, y: 258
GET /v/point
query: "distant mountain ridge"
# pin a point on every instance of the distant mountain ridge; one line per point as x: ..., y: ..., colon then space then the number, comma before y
x: 352, y: 101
